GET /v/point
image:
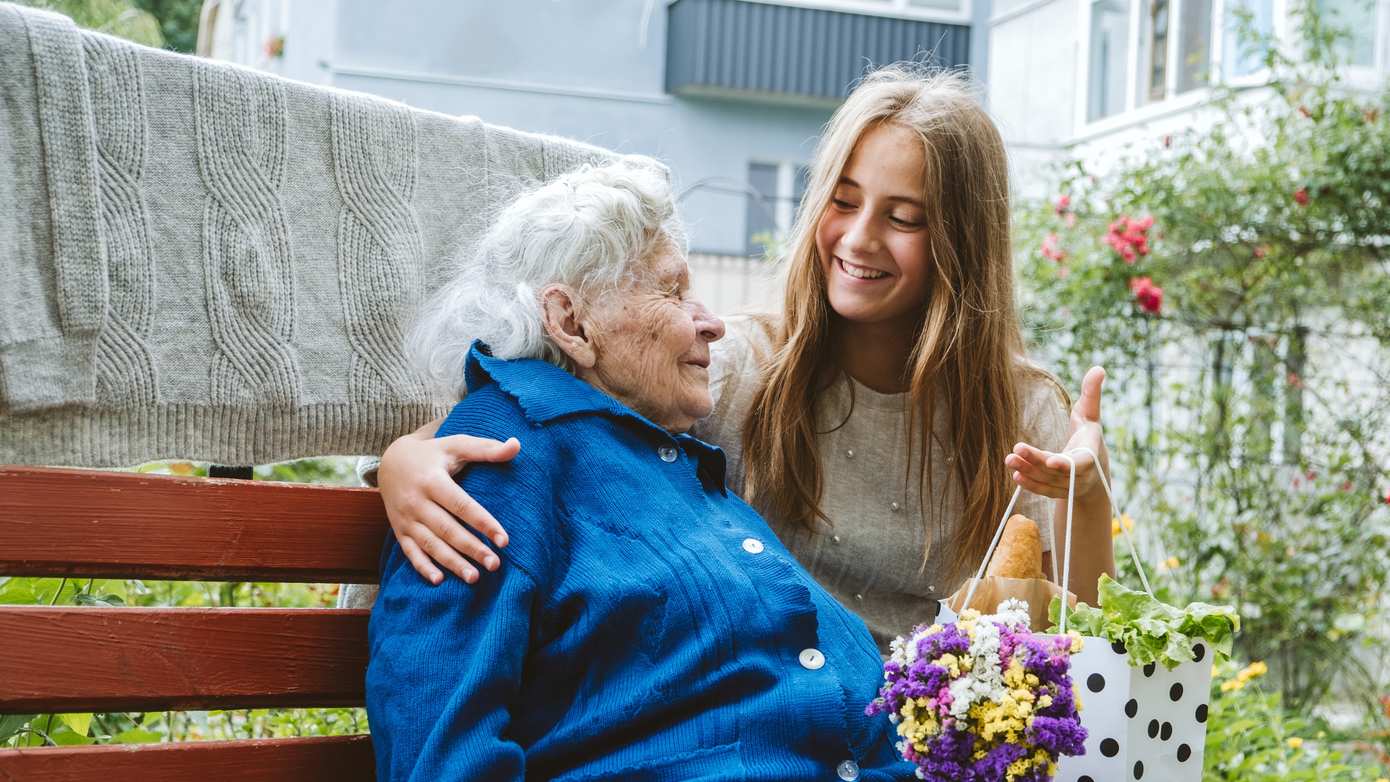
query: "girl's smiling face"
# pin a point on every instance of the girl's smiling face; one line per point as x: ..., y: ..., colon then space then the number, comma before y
x: 872, y: 237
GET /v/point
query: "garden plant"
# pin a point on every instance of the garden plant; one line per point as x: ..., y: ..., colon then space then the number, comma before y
x: 1233, y: 279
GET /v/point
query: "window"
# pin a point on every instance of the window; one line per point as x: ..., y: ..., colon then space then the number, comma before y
x: 1142, y: 52
x: 1194, y: 45
x: 1357, y: 20
x: 1189, y: 41
x: 1109, y: 57
x: 775, y: 191
x: 1170, y: 47
x: 761, y: 219
x: 1237, y: 59
x: 1153, y: 69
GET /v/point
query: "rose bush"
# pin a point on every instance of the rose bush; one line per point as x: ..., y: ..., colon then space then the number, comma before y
x: 1234, y: 280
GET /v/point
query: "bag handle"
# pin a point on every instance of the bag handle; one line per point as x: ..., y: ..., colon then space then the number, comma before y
x: 1052, y: 535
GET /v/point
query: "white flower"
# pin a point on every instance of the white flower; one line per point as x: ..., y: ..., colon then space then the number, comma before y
x: 985, y: 681
x: 1013, y: 613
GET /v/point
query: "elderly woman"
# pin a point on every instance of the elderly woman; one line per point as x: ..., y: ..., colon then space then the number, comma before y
x: 650, y: 626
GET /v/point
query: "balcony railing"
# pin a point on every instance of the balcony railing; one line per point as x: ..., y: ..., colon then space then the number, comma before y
x: 761, y: 50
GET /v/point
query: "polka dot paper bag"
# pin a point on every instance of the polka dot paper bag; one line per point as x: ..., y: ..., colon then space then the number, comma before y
x: 1142, y: 675
x: 1146, y: 723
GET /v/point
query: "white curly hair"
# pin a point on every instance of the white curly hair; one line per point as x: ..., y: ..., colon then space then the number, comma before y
x: 591, y: 229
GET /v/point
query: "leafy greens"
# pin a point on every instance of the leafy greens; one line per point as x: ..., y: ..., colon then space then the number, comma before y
x: 1151, y: 631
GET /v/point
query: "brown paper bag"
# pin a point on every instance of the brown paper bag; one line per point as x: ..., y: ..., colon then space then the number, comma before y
x: 1036, y: 592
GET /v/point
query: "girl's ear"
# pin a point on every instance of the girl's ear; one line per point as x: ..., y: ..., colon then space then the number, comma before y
x: 560, y: 313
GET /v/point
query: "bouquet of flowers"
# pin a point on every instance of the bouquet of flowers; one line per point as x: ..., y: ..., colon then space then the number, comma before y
x: 983, y: 699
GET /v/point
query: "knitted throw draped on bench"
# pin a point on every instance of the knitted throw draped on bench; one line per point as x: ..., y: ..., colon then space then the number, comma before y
x: 205, y: 262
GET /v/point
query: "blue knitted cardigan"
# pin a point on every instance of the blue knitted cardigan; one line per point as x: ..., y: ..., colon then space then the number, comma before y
x: 645, y: 624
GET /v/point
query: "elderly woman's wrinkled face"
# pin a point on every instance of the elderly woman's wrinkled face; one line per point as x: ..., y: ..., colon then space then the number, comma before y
x: 651, y: 341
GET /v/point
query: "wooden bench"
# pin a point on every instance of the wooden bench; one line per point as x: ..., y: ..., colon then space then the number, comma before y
x: 66, y: 659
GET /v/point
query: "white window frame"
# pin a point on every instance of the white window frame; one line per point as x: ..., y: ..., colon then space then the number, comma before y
x: 897, y: 9
x: 1134, y: 112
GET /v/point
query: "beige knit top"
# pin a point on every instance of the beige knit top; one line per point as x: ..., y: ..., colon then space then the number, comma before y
x: 870, y: 555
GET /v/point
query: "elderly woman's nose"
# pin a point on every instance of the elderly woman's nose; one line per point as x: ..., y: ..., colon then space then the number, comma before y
x: 710, y: 326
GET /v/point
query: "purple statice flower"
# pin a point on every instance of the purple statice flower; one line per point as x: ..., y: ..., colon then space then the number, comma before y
x: 948, y: 757
x: 920, y: 691
x: 995, y: 763
x: 1057, y: 735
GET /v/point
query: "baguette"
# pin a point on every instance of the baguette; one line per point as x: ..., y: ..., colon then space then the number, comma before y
x: 1019, y: 554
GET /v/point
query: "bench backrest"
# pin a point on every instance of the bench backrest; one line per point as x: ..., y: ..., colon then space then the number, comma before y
x: 65, y: 659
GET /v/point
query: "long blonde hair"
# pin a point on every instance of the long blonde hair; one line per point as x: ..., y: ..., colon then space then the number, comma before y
x: 967, y: 356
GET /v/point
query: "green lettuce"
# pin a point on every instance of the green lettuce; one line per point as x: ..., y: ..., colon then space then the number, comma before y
x: 1151, y: 631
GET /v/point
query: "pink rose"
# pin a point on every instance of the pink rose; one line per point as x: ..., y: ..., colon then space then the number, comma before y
x: 1148, y: 295
x: 1129, y: 236
x: 1300, y: 196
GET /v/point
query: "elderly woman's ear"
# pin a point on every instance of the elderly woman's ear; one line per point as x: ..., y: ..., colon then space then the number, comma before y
x: 561, y: 313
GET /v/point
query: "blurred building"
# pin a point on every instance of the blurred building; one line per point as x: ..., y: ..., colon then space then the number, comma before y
x: 1095, y: 77
x: 733, y: 93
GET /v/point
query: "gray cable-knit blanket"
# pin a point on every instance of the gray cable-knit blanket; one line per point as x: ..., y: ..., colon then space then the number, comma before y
x: 206, y: 262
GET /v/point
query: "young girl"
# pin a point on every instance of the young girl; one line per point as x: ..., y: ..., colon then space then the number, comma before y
x: 881, y: 420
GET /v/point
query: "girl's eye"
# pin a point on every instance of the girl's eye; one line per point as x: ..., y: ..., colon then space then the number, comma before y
x: 840, y: 203
x: 904, y: 222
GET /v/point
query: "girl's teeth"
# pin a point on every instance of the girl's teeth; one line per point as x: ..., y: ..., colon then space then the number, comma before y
x: 862, y: 274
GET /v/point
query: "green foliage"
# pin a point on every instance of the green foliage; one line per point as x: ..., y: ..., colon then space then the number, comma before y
x: 161, y: 23
x: 113, y: 17
x: 1234, y: 279
x: 1253, y: 737
x: 178, y: 21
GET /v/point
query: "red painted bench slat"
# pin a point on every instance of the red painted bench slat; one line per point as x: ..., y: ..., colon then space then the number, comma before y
x: 123, y: 525
x: 79, y: 659
x: 331, y: 759
x: 130, y: 525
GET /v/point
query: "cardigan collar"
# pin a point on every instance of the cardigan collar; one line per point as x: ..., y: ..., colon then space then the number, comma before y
x: 546, y: 393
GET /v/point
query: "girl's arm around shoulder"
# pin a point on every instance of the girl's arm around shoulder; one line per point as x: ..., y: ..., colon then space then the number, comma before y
x: 522, y: 493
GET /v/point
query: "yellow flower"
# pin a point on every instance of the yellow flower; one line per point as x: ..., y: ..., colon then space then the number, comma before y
x: 951, y: 663
x: 1295, y: 742
x: 1169, y: 564
x: 1076, y: 642
x: 1252, y: 671
x: 1123, y: 521
x: 1244, y: 676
